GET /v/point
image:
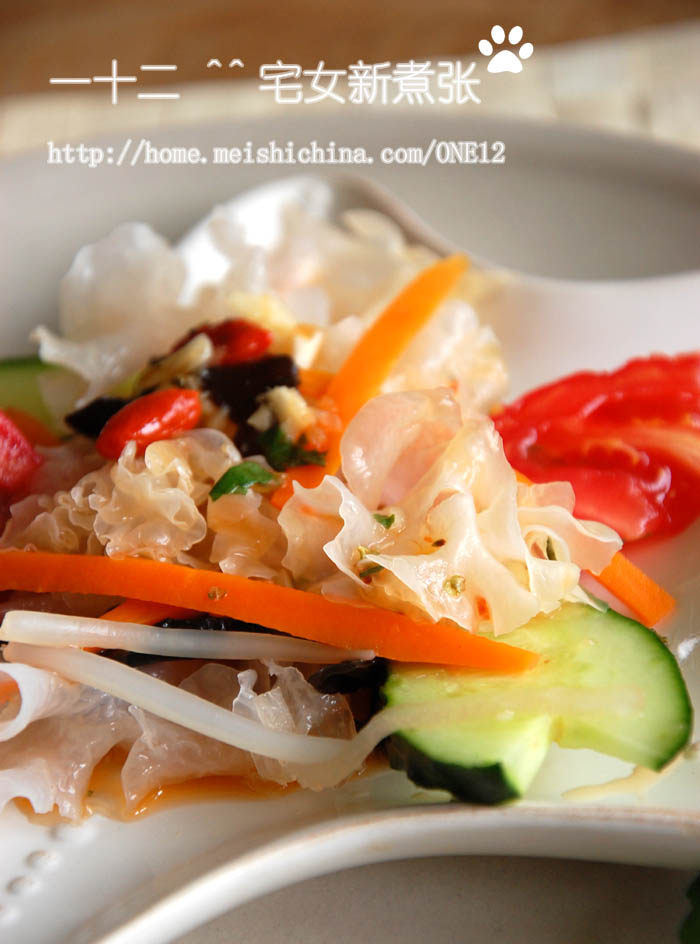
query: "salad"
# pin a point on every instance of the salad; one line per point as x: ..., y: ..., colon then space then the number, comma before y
x: 268, y: 528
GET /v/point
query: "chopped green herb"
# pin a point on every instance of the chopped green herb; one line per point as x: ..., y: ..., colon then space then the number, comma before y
x: 385, y: 521
x: 551, y: 553
x: 282, y: 453
x: 370, y: 569
x: 239, y: 478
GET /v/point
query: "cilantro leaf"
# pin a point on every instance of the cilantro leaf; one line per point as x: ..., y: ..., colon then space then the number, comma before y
x: 239, y: 478
x: 385, y: 521
x: 282, y: 453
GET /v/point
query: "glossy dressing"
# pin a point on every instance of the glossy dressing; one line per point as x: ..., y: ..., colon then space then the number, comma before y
x: 105, y: 796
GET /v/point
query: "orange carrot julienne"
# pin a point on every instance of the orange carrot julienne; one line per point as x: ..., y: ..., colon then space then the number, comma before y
x: 647, y: 600
x: 145, y: 612
x: 8, y: 688
x: 313, y: 382
x: 374, y: 356
x: 376, y: 353
x: 306, y: 475
x: 302, y: 614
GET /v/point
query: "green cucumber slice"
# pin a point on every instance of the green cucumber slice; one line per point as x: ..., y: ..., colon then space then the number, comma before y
x: 28, y: 384
x: 604, y: 682
x: 20, y: 388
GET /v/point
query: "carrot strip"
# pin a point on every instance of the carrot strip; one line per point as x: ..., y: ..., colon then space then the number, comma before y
x: 306, y: 475
x: 313, y: 382
x: 8, y: 688
x: 647, y: 600
x: 374, y: 356
x: 302, y: 614
x: 145, y: 612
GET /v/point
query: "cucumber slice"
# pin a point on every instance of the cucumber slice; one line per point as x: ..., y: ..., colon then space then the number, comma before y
x: 477, y: 763
x: 28, y: 384
x: 604, y: 682
x: 20, y: 388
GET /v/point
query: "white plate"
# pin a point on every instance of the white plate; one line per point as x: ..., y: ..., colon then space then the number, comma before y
x: 567, y: 203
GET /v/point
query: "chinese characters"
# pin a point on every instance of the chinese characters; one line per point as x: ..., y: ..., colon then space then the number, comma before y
x: 114, y: 79
x: 449, y: 82
x: 412, y: 83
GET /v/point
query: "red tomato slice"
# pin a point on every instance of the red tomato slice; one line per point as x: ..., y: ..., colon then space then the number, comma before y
x: 589, y: 391
x: 628, y: 441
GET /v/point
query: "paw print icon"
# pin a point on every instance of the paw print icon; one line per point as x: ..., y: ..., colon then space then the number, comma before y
x: 505, y: 60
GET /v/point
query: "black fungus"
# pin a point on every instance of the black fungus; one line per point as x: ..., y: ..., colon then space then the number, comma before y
x: 202, y: 621
x: 237, y: 386
x: 351, y: 676
x: 137, y: 659
x: 219, y: 623
x: 247, y: 440
x: 90, y: 420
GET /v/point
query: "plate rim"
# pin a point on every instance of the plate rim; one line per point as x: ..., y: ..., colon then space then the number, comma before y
x: 417, y: 832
